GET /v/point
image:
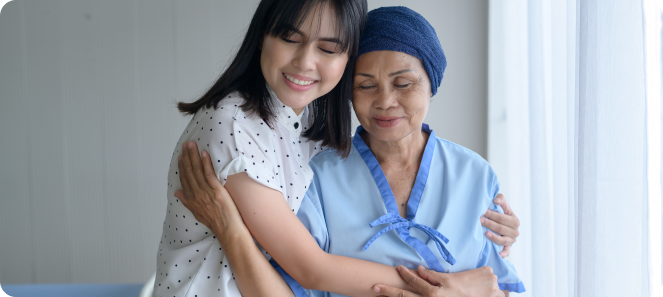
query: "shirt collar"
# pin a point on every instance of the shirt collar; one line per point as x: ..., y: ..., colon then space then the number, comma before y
x: 286, y: 116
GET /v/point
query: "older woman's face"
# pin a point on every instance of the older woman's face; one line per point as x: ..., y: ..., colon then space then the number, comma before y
x: 391, y: 94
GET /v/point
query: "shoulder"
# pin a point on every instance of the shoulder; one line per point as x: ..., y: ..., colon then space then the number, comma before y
x: 229, y: 115
x: 456, y: 153
x: 329, y: 158
x: 228, y: 107
x: 467, y: 165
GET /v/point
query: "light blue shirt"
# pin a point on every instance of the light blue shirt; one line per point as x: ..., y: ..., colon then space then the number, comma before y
x: 350, y: 211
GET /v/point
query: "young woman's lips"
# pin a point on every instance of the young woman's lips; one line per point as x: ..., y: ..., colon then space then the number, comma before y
x: 387, y: 122
x: 297, y: 84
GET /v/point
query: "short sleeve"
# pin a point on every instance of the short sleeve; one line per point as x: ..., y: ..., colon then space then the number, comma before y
x: 236, y: 143
x: 507, y: 277
x: 311, y: 215
x: 254, y: 155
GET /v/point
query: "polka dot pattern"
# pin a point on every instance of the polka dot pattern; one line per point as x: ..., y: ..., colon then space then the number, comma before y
x: 190, y: 260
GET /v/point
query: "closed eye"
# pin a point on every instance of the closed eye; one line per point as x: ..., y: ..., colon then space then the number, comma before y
x: 288, y: 40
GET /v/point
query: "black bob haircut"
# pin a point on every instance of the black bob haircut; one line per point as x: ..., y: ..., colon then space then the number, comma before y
x: 332, y: 111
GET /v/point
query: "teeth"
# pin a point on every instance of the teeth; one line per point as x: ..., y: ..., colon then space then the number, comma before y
x: 298, y: 82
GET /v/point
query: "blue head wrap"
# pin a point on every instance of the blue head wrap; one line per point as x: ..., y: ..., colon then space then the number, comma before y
x: 401, y: 29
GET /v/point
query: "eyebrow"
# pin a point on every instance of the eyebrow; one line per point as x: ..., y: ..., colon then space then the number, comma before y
x: 390, y: 75
x: 327, y: 39
x: 400, y: 72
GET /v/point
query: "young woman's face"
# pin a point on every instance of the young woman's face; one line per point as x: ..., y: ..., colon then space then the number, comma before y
x: 305, y: 65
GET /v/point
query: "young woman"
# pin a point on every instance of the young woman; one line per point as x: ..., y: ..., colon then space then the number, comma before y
x: 284, y: 96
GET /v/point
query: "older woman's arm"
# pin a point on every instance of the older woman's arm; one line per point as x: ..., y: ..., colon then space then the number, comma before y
x: 273, y: 224
x: 254, y: 275
x: 480, y: 282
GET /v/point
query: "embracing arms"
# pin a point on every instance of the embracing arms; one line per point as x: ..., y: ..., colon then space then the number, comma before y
x: 274, y: 225
x: 223, y: 218
x: 284, y: 237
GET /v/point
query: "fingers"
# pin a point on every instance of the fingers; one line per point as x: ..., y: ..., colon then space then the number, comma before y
x: 183, y: 180
x: 510, y: 221
x: 433, y: 277
x: 392, y: 292
x: 210, y: 175
x: 505, y: 251
x: 196, y: 164
x: 501, y: 240
x: 501, y: 201
x: 415, y: 281
x: 186, y: 170
x: 500, y: 225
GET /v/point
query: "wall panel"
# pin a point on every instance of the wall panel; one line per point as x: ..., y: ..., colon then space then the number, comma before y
x: 49, y: 193
x: 16, y: 212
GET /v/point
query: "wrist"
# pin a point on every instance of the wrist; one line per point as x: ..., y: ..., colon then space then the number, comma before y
x: 231, y: 234
x: 460, y: 280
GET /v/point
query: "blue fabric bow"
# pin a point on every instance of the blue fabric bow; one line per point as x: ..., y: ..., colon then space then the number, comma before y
x: 397, y: 222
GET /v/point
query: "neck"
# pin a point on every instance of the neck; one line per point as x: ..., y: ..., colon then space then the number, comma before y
x: 407, y: 150
x: 298, y: 110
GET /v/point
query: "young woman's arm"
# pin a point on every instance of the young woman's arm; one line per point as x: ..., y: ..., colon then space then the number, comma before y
x: 278, y: 230
x: 253, y: 274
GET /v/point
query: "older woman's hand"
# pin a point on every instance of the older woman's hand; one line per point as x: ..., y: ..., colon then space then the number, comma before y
x: 204, y: 195
x: 505, y: 224
x: 476, y: 282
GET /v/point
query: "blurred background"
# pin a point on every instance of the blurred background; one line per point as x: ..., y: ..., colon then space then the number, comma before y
x: 88, y: 120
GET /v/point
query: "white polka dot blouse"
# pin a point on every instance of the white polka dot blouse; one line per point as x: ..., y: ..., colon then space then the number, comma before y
x: 190, y: 260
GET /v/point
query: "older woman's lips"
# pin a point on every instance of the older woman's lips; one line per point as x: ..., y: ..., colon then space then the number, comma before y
x: 387, y: 122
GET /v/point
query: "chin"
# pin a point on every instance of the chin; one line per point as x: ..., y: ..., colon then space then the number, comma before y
x: 296, y: 100
x: 390, y: 134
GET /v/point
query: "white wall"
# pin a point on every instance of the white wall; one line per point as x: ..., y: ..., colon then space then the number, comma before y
x: 88, y: 120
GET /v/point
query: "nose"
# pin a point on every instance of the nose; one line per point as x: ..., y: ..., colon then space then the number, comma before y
x: 305, y: 58
x: 386, y: 98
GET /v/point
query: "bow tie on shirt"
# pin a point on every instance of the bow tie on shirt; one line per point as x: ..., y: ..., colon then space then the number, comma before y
x: 399, y: 222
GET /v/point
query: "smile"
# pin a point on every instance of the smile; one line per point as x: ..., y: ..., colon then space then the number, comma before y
x: 387, y: 122
x: 297, y: 81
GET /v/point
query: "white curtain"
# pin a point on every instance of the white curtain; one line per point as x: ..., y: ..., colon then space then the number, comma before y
x: 575, y: 137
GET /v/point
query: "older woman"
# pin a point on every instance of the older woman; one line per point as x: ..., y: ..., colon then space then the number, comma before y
x: 424, y: 193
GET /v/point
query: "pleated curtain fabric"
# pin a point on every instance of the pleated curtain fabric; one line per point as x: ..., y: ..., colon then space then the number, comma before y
x: 574, y: 136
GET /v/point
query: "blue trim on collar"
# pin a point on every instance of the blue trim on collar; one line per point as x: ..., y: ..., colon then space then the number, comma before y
x: 422, y: 175
x: 393, y: 217
x: 376, y: 172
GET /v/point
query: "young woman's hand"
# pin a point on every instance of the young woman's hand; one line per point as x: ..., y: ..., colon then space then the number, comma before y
x: 204, y: 195
x: 505, y: 224
x: 476, y: 282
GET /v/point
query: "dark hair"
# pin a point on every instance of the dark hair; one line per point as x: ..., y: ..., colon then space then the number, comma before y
x: 332, y: 111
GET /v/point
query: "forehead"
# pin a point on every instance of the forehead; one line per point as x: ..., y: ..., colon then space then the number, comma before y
x: 319, y: 21
x: 387, y: 61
